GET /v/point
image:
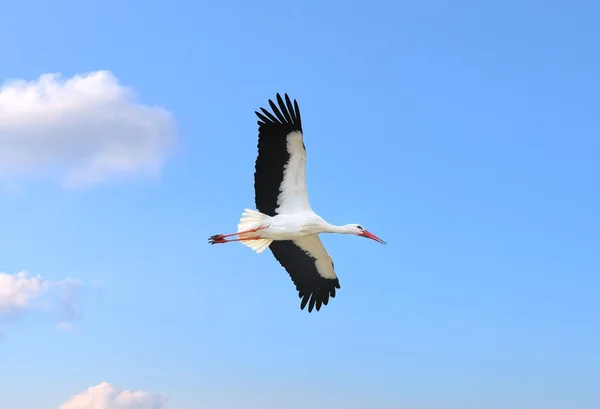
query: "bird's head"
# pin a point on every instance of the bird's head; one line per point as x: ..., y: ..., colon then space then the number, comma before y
x: 360, y: 231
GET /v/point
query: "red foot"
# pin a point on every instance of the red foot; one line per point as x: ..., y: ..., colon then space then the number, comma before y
x: 217, y: 239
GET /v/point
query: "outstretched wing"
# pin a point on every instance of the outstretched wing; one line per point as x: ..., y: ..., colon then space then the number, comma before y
x: 310, y: 268
x: 280, y: 175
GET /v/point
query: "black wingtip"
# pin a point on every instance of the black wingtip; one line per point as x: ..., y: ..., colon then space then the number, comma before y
x: 316, y: 299
x: 283, y: 111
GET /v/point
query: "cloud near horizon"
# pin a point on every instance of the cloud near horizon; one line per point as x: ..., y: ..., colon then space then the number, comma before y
x: 22, y: 293
x: 107, y: 396
x: 83, y: 130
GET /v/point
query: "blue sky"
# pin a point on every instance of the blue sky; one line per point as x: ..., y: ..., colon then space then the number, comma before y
x: 464, y: 134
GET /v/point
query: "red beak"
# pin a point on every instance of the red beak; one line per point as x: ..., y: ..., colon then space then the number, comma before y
x: 371, y: 236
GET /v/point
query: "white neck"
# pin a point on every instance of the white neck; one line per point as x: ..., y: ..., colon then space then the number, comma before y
x: 330, y: 228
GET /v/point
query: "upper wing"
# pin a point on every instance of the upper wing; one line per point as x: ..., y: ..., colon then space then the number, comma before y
x: 280, y: 176
x: 310, y: 268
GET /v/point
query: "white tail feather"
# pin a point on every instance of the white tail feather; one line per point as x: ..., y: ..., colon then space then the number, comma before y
x: 251, y: 219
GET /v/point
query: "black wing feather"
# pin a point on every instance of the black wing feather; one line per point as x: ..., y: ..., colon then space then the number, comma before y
x: 284, y: 111
x: 313, y: 289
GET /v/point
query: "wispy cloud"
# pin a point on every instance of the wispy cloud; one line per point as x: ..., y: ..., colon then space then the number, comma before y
x: 82, y: 130
x: 107, y: 396
x: 22, y: 293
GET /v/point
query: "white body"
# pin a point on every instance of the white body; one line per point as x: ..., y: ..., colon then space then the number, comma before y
x: 292, y: 226
x: 287, y: 226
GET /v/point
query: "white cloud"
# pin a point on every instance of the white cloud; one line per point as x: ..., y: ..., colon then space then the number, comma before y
x: 106, y: 396
x: 22, y: 292
x: 83, y: 130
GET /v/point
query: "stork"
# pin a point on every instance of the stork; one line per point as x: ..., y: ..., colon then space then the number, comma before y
x: 285, y: 222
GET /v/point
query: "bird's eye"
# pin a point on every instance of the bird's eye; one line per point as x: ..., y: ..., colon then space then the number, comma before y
x: 360, y: 228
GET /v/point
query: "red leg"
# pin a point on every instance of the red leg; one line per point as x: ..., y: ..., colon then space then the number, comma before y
x: 220, y: 238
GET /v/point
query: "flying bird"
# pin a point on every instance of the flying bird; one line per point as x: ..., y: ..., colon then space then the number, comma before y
x: 284, y: 221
